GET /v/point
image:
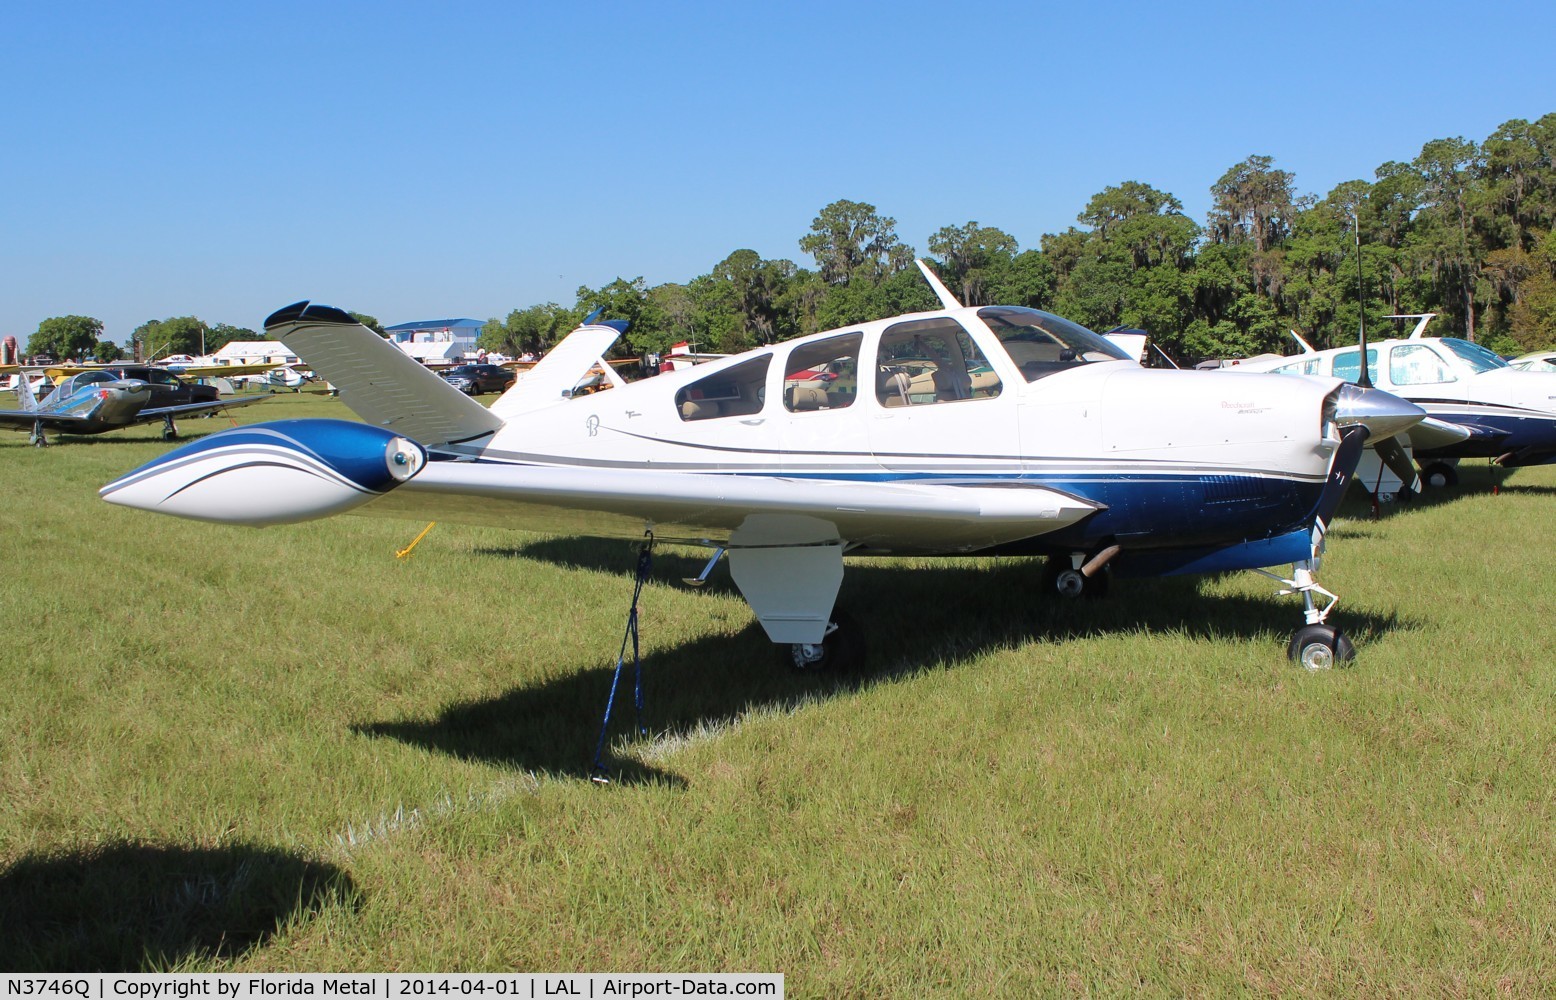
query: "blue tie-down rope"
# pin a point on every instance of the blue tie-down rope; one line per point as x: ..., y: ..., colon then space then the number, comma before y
x: 600, y: 774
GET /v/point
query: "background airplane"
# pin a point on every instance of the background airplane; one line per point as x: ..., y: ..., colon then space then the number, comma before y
x: 1030, y: 435
x: 102, y: 399
x: 1478, y: 405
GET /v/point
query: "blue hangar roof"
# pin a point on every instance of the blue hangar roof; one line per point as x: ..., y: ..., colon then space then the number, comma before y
x: 435, y: 324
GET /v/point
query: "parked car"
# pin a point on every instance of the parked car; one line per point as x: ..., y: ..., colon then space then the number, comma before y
x: 472, y: 380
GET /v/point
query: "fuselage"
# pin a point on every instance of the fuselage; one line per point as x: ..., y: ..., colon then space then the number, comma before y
x: 91, y: 405
x: 993, y: 396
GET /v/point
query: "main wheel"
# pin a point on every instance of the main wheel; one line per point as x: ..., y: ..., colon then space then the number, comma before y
x: 1439, y: 474
x: 1320, y: 647
x: 1062, y: 579
x: 842, y: 649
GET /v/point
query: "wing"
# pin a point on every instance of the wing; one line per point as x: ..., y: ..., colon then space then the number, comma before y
x: 1435, y: 433
x: 702, y: 508
x: 185, y: 409
x: 222, y: 371
x: 29, y: 418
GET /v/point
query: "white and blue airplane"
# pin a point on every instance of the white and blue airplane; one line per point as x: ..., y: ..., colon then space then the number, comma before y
x: 1477, y: 405
x: 949, y: 432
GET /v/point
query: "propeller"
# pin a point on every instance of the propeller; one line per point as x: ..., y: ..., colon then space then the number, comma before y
x: 1341, y: 468
x: 1392, y: 453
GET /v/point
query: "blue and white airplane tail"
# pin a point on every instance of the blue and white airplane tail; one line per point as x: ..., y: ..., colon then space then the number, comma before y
x: 388, y: 388
x: 381, y: 383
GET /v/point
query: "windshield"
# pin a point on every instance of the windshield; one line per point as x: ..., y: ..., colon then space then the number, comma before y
x: 1041, y: 343
x: 1477, y: 357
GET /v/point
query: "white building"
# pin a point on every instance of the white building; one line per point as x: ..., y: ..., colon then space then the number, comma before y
x: 437, y: 341
x: 252, y: 352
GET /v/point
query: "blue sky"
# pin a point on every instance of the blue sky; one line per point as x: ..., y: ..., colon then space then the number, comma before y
x: 415, y: 161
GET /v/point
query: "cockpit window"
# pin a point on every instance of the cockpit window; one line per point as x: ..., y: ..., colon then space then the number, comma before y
x: 823, y: 375
x: 1347, y: 365
x: 1477, y: 357
x: 1417, y: 364
x: 88, y: 378
x: 1302, y: 366
x: 1041, y: 343
x: 738, y: 391
x: 931, y: 361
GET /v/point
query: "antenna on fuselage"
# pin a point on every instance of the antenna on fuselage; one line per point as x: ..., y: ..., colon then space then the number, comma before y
x: 1365, y: 379
x: 941, y: 291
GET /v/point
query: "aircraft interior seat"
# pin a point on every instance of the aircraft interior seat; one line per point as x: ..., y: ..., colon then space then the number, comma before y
x: 807, y: 397
x: 893, y: 388
x: 700, y: 409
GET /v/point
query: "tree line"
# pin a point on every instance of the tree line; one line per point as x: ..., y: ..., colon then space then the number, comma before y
x: 1464, y: 229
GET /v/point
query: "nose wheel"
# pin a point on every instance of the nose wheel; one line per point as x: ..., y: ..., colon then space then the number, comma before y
x: 1316, y: 645
x: 1320, y: 647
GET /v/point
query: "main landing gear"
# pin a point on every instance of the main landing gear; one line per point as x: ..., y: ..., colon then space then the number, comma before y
x: 1440, y: 474
x: 36, y: 437
x: 169, y: 431
x: 1079, y: 574
x: 841, y: 650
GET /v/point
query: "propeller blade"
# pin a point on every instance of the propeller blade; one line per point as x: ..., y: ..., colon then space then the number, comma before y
x: 1341, y: 469
x: 1392, y: 453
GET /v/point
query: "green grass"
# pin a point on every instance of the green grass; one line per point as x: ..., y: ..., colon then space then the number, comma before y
x: 228, y: 749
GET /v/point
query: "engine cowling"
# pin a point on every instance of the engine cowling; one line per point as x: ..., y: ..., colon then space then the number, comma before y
x: 273, y: 473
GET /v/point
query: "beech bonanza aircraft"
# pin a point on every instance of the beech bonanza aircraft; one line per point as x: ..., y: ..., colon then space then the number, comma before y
x: 102, y: 399
x: 1477, y: 405
x: 959, y: 430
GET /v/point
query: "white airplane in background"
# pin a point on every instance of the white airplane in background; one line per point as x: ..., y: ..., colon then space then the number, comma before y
x: 1477, y: 405
x: 954, y: 431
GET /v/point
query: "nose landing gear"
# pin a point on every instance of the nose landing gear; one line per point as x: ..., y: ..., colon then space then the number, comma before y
x: 1316, y: 645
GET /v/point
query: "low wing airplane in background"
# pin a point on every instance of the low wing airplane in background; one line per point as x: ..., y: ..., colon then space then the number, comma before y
x: 1477, y: 405
x: 955, y: 431
x: 97, y: 400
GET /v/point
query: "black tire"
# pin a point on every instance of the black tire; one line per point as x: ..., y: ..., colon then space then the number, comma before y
x: 1320, y: 647
x: 1062, y: 580
x: 842, y: 651
x: 1439, y: 474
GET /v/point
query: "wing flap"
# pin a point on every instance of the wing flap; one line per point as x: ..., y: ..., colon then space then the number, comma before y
x: 381, y: 383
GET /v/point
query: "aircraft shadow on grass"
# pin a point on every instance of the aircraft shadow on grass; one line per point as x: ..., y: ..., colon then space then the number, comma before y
x: 143, y: 907
x: 913, y: 620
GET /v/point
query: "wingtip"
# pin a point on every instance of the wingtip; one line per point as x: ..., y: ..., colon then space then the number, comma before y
x: 306, y: 310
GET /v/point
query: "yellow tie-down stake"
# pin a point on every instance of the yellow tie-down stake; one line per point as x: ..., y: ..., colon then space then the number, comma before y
x: 401, y: 554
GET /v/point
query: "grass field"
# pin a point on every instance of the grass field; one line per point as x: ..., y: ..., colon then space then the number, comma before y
x: 228, y: 749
